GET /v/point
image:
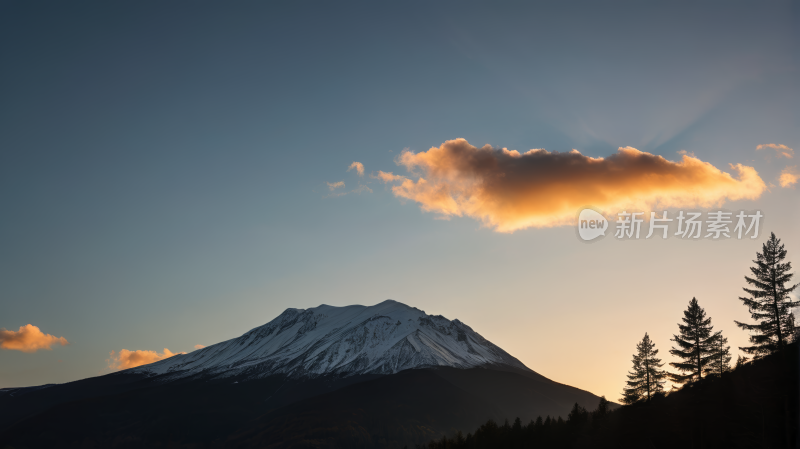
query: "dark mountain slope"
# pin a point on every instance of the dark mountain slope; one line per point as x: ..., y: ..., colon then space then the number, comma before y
x: 193, y: 411
x: 397, y: 410
x: 410, y: 407
x: 516, y: 393
x: 19, y: 403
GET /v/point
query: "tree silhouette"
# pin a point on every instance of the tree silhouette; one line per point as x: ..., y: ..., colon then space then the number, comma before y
x: 721, y: 360
x: 646, y: 379
x: 696, y: 344
x: 741, y: 361
x: 770, y: 304
x: 737, y: 410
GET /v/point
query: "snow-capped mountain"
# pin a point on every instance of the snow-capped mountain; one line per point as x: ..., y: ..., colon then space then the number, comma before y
x: 293, y: 380
x: 382, y: 339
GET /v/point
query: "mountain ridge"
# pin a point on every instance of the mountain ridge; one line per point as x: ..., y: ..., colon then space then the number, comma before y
x: 386, y: 338
x: 387, y: 375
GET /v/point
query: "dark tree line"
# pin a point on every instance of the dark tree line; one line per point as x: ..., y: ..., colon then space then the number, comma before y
x: 547, y: 432
x: 754, y: 404
x: 742, y: 408
x: 703, y: 352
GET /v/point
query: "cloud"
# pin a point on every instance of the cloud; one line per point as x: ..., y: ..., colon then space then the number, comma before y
x: 360, y: 189
x: 199, y: 346
x: 388, y: 177
x: 782, y: 150
x: 335, y: 185
x: 789, y: 176
x: 358, y: 166
x: 508, y: 191
x: 129, y: 359
x: 29, y: 338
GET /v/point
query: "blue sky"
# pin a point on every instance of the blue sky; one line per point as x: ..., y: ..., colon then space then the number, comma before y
x: 164, y: 167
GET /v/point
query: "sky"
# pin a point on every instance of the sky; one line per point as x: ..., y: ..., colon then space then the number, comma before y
x: 173, y: 174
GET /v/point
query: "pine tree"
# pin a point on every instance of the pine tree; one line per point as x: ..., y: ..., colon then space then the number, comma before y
x: 721, y: 361
x: 604, y: 406
x: 646, y: 379
x: 741, y: 361
x: 601, y: 413
x: 578, y: 416
x: 770, y: 303
x: 696, y: 344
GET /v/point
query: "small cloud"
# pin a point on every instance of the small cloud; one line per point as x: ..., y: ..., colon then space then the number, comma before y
x: 387, y: 177
x: 199, y: 346
x: 686, y: 153
x: 358, y: 166
x: 29, y: 338
x: 335, y: 185
x: 125, y: 359
x: 782, y: 150
x: 360, y: 189
x: 789, y: 176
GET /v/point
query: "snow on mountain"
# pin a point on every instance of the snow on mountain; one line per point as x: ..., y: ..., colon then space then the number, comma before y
x: 380, y: 339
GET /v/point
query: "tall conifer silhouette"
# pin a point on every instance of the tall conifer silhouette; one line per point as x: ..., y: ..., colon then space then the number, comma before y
x: 695, y: 344
x: 770, y: 301
x: 646, y: 378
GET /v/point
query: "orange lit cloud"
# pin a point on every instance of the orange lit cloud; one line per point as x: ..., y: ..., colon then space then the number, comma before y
x: 789, y: 176
x: 358, y: 166
x: 125, y: 359
x: 29, y: 338
x: 335, y: 185
x: 782, y: 150
x: 199, y: 346
x: 508, y: 190
x: 388, y: 177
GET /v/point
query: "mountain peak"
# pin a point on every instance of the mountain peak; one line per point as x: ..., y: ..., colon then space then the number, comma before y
x: 392, y: 302
x: 382, y: 339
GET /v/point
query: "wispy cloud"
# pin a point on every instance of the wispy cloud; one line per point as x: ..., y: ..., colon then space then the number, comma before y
x: 358, y: 167
x: 125, y: 359
x: 335, y: 185
x: 508, y: 191
x: 781, y: 150
x: 29, y: 338
x: 388, y: 176
x: 199, y: 346
x: 789, y: 176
